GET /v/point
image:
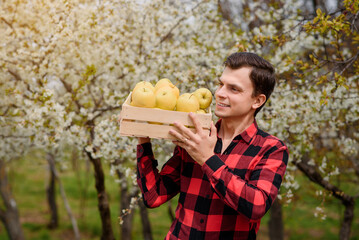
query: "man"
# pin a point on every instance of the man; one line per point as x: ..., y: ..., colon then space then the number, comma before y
x: 228, y: 180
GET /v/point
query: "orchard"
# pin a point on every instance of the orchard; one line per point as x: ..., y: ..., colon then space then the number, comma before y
x: 67, y: 67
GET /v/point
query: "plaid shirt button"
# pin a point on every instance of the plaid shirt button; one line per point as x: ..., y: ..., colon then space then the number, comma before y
x: 201, y: 221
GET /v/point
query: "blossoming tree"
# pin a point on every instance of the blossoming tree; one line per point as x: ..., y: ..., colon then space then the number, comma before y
x: 83, y: 57
x: 67, y: 66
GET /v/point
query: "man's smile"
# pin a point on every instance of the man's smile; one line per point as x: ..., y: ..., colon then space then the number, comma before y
x: 222, y: 105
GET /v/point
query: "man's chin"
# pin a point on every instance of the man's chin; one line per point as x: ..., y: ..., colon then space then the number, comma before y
x: 219, y: 114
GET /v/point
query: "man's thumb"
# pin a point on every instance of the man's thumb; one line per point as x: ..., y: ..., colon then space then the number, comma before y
x: 213, y: 132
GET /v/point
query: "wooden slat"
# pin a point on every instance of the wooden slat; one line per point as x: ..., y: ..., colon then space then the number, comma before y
x: 162, y: 116
x: 136, y: 121
x: 141, y: 129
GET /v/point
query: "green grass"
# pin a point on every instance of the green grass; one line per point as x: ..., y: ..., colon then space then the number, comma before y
x: 29, y: 178
x: 299, y: 215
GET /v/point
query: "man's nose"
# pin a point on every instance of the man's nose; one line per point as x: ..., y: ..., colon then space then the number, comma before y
x: 220, y: 92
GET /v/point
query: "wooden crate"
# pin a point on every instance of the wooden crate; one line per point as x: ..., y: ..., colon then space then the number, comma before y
x: 156, y: 123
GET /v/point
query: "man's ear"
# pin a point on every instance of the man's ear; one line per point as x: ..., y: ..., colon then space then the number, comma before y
x: 259, y: 101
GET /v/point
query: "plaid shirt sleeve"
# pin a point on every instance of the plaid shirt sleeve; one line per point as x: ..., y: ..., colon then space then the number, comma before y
x: 254, y: 195
x: 157, y: 187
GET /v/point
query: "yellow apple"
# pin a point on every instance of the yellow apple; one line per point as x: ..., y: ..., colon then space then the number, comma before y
x: 165, y: 82
x: 143, y: 84
x: 176, y: 91
x: 173, y: 88
x: 143, y: 97
x: 204, y: 97
x: 155, y: 123
x: 162, y: 82
x: 166, y: 98
x: 201, y: 111
x: 187, y: 102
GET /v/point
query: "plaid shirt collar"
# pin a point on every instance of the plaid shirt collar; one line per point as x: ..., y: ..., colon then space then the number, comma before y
x: 247, y: 135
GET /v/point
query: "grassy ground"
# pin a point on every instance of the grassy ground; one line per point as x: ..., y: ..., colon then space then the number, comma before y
x: 29, y: 180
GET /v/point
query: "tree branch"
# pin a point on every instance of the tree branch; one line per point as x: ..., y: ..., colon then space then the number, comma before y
x: 350, y: 61
x: 7, y: 23
x: 315, y: 177
x: 12, y: 136
x: 168, y: 35
x: 103, y: 110
x: 69, y: 90
x: 15, y: 75
x: 2, y: 215
x: 353, y: 22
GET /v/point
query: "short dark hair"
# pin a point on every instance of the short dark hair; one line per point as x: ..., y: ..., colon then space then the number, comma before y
x: 262, y: 74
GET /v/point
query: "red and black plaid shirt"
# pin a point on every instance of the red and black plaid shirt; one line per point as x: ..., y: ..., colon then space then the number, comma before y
x: 227, y: 196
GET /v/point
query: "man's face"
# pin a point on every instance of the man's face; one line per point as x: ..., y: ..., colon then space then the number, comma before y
x: 234, y: 94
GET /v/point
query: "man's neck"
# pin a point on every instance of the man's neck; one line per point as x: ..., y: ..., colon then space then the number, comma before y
x: 230, y: 128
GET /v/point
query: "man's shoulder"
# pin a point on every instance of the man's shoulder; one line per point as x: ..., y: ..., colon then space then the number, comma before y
x: 267, y: 138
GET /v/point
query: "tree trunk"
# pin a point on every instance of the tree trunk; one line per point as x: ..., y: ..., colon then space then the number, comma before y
x: 347, y: 200
x: 345, y: 228
x: 51, y: 160
x: 9, y: 215
x: 126, y: 214
x: 51, y: 193
x: 275, y: 224
x: 170, y: 210
x: 103, y: 204
x: 68, y: 208
x: 146, y: 226
x: 126, y: 226
x: 224, y: 7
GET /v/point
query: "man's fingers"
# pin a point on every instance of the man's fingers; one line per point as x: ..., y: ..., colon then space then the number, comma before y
x: 196, y: 122
x: 213, y: 131
x: 176, y: 135
x: 183, y: 130
x: 180, y: 136
x: 185, y: 134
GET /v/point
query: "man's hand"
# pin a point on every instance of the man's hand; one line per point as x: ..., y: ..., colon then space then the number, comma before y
x: 199, y: 145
